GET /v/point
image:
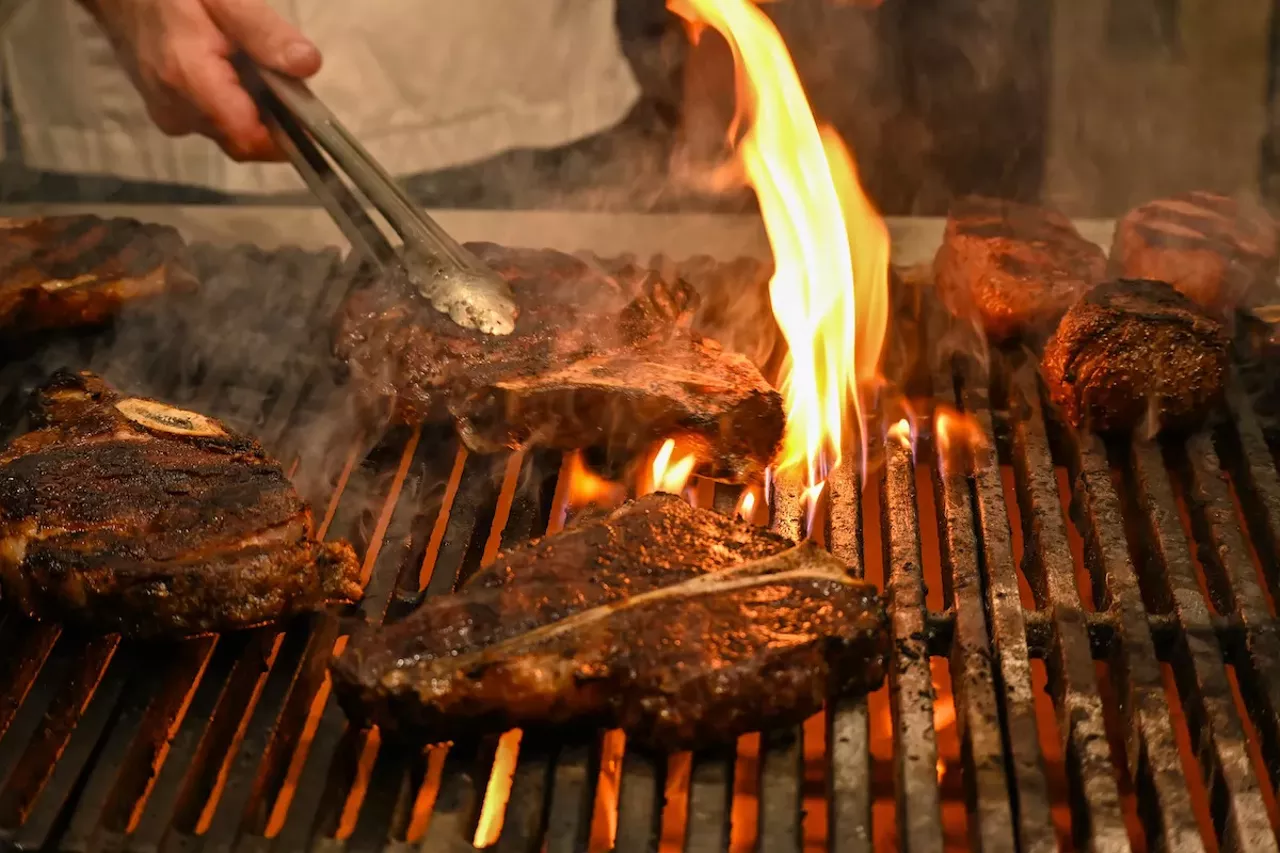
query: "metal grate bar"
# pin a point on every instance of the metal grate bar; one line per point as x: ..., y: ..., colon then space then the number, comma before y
x: 1072, y: 677
x: 1152, y: 751
x: 1225, y: 550
x: 972, y: 675
x: 1217, y: 734
x: 1009, y: 638
x: 848, y: 724
x: 915, y: 745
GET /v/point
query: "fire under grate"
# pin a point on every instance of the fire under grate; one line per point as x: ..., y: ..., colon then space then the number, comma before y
x: 1085, y: 652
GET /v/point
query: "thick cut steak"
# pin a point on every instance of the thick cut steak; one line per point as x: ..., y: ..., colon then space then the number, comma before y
x: 1133, y: 353
x: 64, y: 271
x: 681, y: 626
x: 596, y: 359
x: 1014, y: 267
x: 125, y: 514
x: 1221, y: 254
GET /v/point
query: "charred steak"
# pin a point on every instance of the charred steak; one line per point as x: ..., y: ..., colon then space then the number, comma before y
x: 1214, y: 250
x: 125, y: 514
x: 1136, y: 352
x: 679, y: 625
x: 595, y: 360
x: 1014, y: 267
x: 65, y: 271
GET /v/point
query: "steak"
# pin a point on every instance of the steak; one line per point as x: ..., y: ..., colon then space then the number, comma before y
x: 59, y: 272
x: 1214, y: 250
x: 1136, y: 352
x: 125, y: 514
x: 678, y: 625
x: 1014, y: 267
x: 596, y: 359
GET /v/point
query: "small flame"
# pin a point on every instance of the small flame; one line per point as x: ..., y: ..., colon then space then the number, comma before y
x: 587, y: 487
x: 489, y: 826
x: 956, y: 434
x: 944, y: 716
x: 665, y: 475
x: 746, y: 508
x: 829, y: 290
x: 901, y: 433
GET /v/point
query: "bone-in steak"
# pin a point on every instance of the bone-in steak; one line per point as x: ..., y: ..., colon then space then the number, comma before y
x: 679, y: 625
x: 64, y: 271
x: 595, y: 360
x: 125, y: 514
x: 1014, y: 267
x: 1135, y: 352
x: 1219, y: 253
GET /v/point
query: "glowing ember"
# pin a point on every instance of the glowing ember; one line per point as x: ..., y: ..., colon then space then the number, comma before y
x: 587, y: 487
x: 901, y: 433
x: 667, y: 476
x: 831, y: 249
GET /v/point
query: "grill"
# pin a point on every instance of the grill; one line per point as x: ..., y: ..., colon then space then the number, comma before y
x: 1101, y: 619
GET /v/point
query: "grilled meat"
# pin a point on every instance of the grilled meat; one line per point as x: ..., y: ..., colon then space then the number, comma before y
x: 1135, y: 352
x: 676, y: 624
x: 595, y: 360
x: 65, y: 271
x: 1014, y: 267
x: 1214, y: 250
x: 125, y: 514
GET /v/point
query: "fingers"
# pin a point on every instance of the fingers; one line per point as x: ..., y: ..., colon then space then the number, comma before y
x: 215, y: 91
x: 267, y: 37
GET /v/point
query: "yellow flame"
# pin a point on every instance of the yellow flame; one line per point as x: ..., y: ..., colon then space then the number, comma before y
x: 747, y: 504
x: 666, y: 475
x: 830, y: 286
x: 901, y: 433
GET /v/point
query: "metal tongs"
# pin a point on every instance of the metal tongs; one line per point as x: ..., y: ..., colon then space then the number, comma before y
x: 452, y: 279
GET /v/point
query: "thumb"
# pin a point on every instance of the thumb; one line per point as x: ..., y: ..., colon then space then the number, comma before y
x: 268, y: 38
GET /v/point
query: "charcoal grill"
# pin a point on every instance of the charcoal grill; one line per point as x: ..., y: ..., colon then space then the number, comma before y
x: 1137, y: 583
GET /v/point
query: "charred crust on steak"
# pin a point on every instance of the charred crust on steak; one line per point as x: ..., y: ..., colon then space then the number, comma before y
x: 1134, y: 353
x: 122, y: 523
x: 597, y: 358
x: 681, y: 626
x: 60, y: 272
x: 1014, y: 267
x: 1218, y: 252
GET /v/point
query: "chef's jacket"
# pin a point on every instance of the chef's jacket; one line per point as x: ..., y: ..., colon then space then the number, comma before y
x: 424, y: 84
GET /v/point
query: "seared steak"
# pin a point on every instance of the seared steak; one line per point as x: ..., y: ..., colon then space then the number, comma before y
x: 1136, y: 352
x: 125, y: 514
x: 676, y: 624
x: 1013, y: 267
x: 65, y: 271
x: 1216, y: 251
x: 595, y: 360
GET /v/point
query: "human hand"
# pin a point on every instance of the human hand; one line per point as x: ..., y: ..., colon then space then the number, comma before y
x: 179, y: 52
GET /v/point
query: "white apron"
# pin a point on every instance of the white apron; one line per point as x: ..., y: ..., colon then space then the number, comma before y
x: 424, y: 84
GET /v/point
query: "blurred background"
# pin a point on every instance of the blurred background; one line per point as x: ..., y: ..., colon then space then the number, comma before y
x: 1090, y: 105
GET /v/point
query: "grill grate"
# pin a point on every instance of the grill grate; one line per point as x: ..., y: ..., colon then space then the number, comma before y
x: 234, y: 744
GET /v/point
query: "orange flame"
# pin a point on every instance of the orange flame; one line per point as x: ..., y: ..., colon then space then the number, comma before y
x: 746, y: 509
x: 956, y: 435
x: 498, y: 791
x: 665, y: 475
x: 586, y: 487
x: 901, y: 433
x: 831, y: 249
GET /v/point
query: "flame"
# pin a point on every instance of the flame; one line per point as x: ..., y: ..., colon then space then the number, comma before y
x: 831, y: 249
x: 498, y: 791
x: 587, y: 487
x: 665, y: 475
x: 956, y: 434
x: 901, y: 433
x: 746, y: 509
x: 944, y: 716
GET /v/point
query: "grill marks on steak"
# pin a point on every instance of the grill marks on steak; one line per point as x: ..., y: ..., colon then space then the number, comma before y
x: 595, y: 359
x: 1013, y: 266
x: 1217, y: 252
x: 66, y: 271
x: 1136, y: 352
x: 679, y: 625
x: 125, y: 514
